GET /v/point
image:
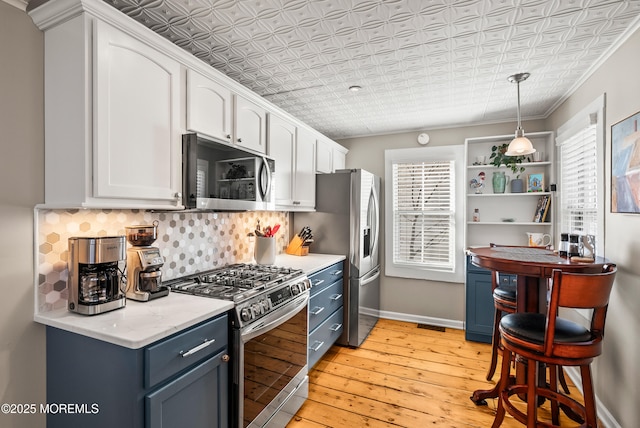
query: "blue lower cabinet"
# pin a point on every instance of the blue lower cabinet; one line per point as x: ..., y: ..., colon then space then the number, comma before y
x: 157, y: 386
x: 326, y: 311
x: 324, y: 336
x: 192, y: 400
x: 479, y: 304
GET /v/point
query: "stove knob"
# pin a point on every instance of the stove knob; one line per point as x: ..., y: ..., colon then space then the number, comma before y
x: 295, y: 289
x: 264, y: 304
x: 246, y: 314
x: 257, y: 309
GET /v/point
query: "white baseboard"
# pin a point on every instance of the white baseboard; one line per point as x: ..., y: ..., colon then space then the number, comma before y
x: 440, y: 322
x: 603, y: 413
x: 20, y: 4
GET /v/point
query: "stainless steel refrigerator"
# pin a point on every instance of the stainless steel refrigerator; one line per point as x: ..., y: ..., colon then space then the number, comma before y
x: 347, y: 221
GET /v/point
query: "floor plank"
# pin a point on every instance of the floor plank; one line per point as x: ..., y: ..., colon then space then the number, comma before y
x: 403, y: 376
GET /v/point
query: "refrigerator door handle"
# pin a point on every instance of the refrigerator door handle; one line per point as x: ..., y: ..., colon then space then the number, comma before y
x: 375, y: 213
x: 370, y: 277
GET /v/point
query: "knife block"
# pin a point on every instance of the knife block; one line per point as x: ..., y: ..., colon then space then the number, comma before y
x: 296, y: 247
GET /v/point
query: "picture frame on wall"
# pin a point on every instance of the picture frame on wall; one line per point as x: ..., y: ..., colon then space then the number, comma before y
x: 625, y: 165
x: 535, y: 182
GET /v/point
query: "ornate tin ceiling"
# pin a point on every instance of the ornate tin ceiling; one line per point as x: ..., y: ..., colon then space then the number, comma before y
x: 421, y: 63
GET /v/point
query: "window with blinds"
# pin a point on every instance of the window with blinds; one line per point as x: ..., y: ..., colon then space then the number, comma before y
x: 424, y: 214
x: 579, y: 194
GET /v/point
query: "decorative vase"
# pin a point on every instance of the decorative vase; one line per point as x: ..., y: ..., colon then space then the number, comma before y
x: 499, y: 181
x: 517, y: 185
x: 264, y: 251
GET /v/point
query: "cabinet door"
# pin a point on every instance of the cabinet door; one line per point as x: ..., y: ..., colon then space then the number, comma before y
x: 339, y: 158
x: 479, y: 308
x: 136, y: 100
x: 282, y: 142
x: 208, y: 107
x: 197, y: 399
x: 324, y: 155
x: 251, y: 125
x: 304, y: 179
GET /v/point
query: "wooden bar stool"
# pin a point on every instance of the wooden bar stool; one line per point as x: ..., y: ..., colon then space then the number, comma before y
x: 554, y: 341
x: 504, y: 301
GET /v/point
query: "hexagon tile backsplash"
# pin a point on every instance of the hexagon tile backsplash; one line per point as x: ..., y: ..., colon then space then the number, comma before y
x: 189, y: 241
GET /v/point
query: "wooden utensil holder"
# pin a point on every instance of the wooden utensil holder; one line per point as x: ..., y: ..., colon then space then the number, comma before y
x: 296, y: 247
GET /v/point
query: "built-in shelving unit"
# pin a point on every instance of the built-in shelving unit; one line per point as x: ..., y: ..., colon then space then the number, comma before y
x: 505, y: 218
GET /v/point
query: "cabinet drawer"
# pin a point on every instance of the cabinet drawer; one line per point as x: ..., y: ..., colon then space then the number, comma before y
x: 325, y: 303
x: 508, y: 281
x: 321, y: 339
x: 170, y: 356
x: 324, y: 278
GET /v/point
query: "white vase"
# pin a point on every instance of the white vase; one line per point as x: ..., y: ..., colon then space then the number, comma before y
x: 264, y: 251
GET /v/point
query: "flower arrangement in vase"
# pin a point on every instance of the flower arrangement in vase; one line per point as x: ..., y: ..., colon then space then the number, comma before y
x: 499, y: 158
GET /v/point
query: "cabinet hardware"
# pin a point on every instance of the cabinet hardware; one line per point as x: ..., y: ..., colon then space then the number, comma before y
x: 336, y: 273
x: 335, y: 327
x: 317, y: 347
x: 200, y: 347
x: 315, y: 284
x: 336, y: 297
x: 317, y: 310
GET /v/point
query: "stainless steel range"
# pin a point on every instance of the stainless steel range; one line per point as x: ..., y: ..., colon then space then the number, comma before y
x: 270, y: 338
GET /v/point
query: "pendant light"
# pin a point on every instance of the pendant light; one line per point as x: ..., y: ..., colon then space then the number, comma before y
x: 520, y: 145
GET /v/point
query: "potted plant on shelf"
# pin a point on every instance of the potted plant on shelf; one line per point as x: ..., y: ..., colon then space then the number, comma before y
x: 499, y: 158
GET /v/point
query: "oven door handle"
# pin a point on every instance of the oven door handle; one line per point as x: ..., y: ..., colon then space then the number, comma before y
x: 275, y: 319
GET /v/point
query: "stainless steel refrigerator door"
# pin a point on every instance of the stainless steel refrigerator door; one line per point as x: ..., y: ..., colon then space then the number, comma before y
x: 365, y: 222
x: 363, y: 315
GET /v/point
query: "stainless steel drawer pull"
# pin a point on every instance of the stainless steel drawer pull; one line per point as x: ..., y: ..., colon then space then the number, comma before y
x: 336, y: 297
x: 336, y: 273
x: 335, y: 327
x: 317, y: 346
x: 197, y: 348
x: 317, y: 310
x: 318, y: 282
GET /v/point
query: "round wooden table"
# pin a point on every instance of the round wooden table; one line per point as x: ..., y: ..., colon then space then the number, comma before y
x: 533, y: 266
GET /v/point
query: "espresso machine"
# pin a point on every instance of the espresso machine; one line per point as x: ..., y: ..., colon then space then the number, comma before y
x: 95, y: 280
x: 144, y: 263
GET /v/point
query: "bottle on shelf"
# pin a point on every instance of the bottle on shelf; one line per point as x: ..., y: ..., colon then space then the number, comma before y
x: 476, y: 215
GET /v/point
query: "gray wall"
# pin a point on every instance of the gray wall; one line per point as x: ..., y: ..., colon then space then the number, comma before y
x: 430, y: 299
x: 616, y: 377
x: 22, y: 341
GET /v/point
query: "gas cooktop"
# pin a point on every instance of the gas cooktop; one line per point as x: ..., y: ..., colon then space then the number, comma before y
x: 236, y: 282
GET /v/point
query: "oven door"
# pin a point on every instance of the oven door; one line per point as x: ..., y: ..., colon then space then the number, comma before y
x: 271, y: 379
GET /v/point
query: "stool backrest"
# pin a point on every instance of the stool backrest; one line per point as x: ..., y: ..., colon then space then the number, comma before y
x: 580, y: 291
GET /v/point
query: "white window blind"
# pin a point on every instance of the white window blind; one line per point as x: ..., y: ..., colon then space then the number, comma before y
x: 579, y: 182
x: 424, y: 214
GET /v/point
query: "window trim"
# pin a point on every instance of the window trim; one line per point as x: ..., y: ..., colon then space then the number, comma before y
x: 594, y: 112
x: 440, y: 153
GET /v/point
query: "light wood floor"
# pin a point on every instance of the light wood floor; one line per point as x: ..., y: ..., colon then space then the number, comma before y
x: 403, y: 376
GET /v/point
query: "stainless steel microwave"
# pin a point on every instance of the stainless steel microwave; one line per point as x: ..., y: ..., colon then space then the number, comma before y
x: 219, y: 176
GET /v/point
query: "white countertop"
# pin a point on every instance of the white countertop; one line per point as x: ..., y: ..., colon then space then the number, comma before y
x: 141, y: 323
x: 310, y: 263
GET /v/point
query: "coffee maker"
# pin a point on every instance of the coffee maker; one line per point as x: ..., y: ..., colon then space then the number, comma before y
x: 144, y: 277
x: 94, y: 281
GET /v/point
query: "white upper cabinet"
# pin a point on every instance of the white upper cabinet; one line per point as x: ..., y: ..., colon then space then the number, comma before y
x: 209, y: 107
x: 330, y: 156
x: 136, y: 128
x: 250, y: 125
x: 294, y: 152
x: 304, y: 189
x: 112, y: 103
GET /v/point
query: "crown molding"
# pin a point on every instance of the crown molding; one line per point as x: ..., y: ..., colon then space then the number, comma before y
x: 20, y: 4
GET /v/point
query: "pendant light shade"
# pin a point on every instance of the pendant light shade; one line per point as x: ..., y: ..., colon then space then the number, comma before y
x: 520, y: 145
